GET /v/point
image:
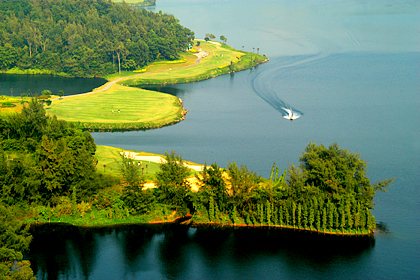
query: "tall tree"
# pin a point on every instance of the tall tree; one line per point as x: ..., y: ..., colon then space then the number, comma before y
x: 172, y: 183
x: 214, y: 185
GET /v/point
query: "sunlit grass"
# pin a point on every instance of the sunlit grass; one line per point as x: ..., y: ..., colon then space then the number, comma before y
x: 220, y: 56
x: 110, y: 156
x: 135, y: 105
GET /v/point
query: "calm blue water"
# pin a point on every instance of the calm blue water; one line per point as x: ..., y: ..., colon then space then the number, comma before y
x: 352, y: 68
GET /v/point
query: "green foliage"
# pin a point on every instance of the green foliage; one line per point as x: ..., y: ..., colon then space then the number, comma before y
x: 337, y: 173
x: 213, y: 185
x: 85, y: 38
x: 268, y: 212
x: 14, y: 240
x: 210, y: 36
x: 172, y: 183
x: 234, y: 216
x: 137, y: 200
x: 244, y: 185
x: 52, y: 159
x: 211, y: 209
x: 31, y: 123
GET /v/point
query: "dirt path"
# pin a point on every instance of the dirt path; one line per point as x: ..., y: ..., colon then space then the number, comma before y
x: 199, y: 55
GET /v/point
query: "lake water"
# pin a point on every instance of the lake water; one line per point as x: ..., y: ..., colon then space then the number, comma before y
x: 352, y: 68
x: 15, y: 85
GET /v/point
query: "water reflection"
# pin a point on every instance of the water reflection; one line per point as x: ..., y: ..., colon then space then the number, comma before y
x: 169, y: 89
x: 15, y: 85
x: 180, y: 252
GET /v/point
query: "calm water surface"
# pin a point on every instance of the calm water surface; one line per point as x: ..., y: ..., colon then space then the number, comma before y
x: 352, y: 67
x: 15, y: 85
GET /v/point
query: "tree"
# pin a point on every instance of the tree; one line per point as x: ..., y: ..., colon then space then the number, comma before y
x: 324, y: 218
x: 211, y: 36
x: 139, y: 201
x: 244, y: 186
x: 82, y: 40
x: 223, y: 39
x: 60, y: 93
x: 46, y: 92
x: 213, y: 185
x: 130, y: 172
x: 211, y: 209
x: 311, y: 217
x: 281, y: 218
x: 13, y: 241
x: 336, y: 172
x: 299, y: 215
x: 34, y: 120
x: 172, y: 183
x: 268, y: 212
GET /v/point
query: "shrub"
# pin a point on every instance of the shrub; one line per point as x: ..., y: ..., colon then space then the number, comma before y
x: 8, y: 104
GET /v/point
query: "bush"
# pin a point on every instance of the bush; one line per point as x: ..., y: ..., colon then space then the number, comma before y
x: 44, y: 96
x: 8, y: 104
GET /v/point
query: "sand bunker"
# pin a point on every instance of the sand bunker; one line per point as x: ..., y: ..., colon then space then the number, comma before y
x: 157, y: 159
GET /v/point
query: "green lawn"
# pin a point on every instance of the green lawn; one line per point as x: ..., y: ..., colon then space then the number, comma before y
x: 142, y: 109
x: 219, y: 56
x: 135, y: 105
x: 110, y: 156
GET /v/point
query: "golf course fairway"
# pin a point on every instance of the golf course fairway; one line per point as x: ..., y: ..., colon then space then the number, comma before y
x: 120, y: 105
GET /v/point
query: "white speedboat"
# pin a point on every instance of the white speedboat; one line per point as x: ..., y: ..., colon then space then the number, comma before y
x: 290, y: 114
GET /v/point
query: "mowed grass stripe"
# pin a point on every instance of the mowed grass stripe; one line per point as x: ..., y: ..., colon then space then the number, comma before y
x: 135, y: 105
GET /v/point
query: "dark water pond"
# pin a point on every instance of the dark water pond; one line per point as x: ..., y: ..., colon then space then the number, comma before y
x: 352, y: 68
x: 15, y: 85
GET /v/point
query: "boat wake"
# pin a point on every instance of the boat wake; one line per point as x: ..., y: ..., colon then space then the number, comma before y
x: 263, y: 81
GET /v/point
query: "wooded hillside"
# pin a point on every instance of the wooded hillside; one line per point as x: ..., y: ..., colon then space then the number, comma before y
x: 86, y: 37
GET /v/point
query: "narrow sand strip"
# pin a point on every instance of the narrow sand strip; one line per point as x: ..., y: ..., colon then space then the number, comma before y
x: 157, y: 159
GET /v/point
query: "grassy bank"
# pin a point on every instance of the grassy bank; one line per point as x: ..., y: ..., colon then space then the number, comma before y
x: 108, y: 158
x: 121, y: 106
x: 221, y: 59
x: 18, y: 71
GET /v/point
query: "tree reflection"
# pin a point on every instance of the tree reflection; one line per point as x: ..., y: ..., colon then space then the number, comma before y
x: 179, y: 252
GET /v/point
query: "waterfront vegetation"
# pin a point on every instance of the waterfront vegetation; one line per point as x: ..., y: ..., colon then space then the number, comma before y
x: 137, y: 3
x: 124, y: 107
x: 51, y: 171
x: 221, y: 59
x: 141, y: 109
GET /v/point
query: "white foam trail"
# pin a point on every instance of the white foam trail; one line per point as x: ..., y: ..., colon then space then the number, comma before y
x: 262, y: 81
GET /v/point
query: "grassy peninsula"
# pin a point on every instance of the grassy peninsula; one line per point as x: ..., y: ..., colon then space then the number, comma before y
x: 119, y: 105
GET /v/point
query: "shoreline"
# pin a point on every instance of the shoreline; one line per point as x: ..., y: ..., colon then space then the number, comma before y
x: 282, y: 227
x: 132, y: 81
x: 186, y: 220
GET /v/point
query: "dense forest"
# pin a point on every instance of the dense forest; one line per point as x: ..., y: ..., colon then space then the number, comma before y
x: 86, y: 38
x: 48, y: 173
